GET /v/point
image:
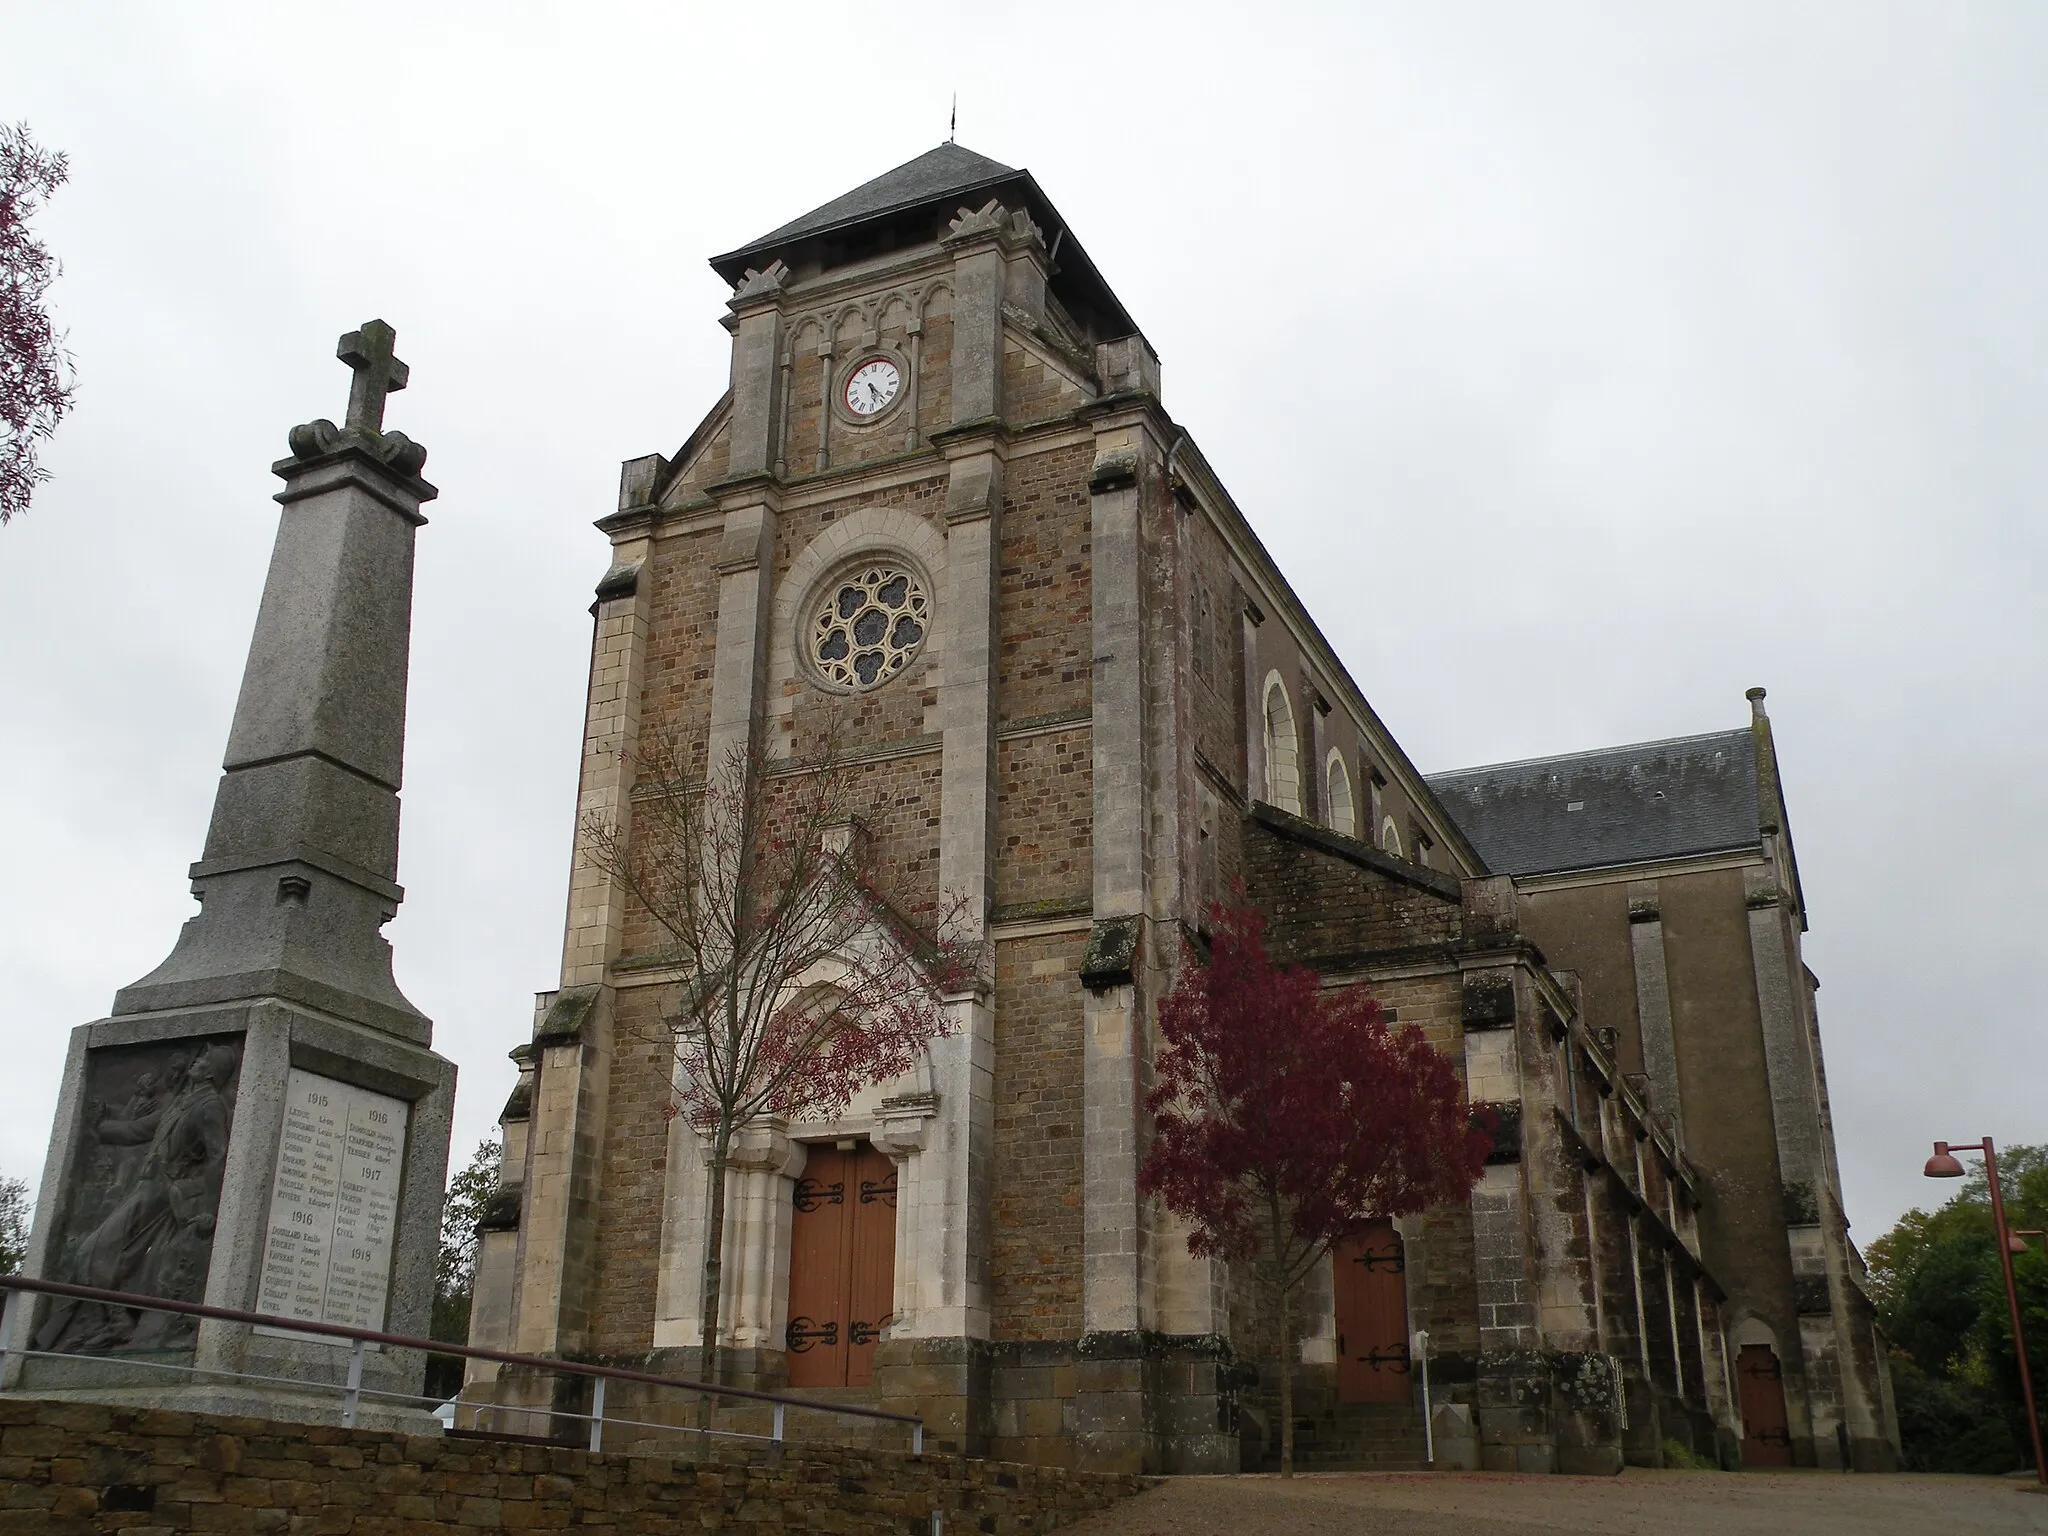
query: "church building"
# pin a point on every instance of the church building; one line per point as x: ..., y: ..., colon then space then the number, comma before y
x: 942, y: 516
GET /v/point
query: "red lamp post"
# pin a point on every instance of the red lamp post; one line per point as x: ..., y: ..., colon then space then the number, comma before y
x: 1943, y: 1165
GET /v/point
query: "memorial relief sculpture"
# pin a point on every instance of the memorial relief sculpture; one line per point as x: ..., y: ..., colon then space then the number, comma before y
x: 147, y: 1201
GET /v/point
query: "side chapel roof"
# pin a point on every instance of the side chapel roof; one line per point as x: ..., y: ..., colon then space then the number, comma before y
x: 1671, y: 799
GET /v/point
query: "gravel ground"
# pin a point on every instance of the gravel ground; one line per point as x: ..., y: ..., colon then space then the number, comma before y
x: 1637, y: 1503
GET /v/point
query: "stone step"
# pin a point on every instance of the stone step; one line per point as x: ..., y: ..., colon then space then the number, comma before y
x: 1358, y: 1437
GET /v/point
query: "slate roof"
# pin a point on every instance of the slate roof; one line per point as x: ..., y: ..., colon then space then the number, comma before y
x: 1619, y: 805
x: 943, y: 172
x: 936, y: 185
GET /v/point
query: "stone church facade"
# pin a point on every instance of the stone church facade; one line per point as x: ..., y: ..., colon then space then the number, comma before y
x: 942, y: 517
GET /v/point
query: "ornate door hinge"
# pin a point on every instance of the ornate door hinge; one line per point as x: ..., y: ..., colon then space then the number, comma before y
x: 802, y: 1333
x: 810, y: 1194
x: 1392, y: 1260
x: 1393, y: 1357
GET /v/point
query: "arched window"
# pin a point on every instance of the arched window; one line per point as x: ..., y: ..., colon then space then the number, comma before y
x: 1343, y: 815
x: 1283, y: 749
x: 1390, y: 837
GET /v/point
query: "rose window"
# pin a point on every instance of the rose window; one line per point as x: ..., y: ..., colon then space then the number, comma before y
x: 869, y: 626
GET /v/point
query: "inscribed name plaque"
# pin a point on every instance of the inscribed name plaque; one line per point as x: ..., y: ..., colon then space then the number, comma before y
x: 334, y: 1205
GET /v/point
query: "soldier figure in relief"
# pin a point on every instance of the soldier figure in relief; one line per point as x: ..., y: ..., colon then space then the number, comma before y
x: 157, y: 1239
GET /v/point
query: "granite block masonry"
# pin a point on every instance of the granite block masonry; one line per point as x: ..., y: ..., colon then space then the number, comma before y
x: 89, y: 1468
x: 1117, y: 713
x: 259, y: 1123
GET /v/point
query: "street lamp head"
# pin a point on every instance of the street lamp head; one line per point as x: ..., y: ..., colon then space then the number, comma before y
x: 1943, y: 1165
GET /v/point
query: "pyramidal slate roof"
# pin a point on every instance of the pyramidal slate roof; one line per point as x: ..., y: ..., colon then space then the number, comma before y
x: 1619, y: 805
x: 943, y: 172
x: 934, y: 186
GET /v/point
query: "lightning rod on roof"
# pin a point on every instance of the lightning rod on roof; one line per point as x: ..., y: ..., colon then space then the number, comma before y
x: 953, y: 122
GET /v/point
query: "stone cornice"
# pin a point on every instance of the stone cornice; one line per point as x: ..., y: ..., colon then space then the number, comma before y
x: 841, y: 481
x: 1045, y: 725
x: 989, y: 434
x: 300, y: 853
x: 633, y: 521
x: 1135, y: 408
x: 1656, y: 869
x: 1297, y: 829
x: 746, y: 490
x: 353, y: 465
x: 918, y: 261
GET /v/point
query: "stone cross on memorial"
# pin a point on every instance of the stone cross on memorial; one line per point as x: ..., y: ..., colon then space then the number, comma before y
x: 260, y: 1123
x: 378, y: 373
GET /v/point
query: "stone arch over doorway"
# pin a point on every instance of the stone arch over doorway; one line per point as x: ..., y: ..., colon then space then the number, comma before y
x: 1760, y: 1394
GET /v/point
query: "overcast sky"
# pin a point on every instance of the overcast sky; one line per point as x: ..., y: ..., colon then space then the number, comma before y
x: 1581, y: 365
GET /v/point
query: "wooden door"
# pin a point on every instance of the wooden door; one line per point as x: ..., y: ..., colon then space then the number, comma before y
x: 1766, y: 1433
x: 1372, y: 1316
x: 842, y: 1266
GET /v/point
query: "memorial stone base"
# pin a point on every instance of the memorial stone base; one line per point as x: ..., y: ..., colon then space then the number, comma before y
x: 257, y: 1156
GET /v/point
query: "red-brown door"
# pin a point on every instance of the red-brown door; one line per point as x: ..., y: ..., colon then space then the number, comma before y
x: 842, y: 1266
x: 1372, y: 1316
x: 1766, y: 1433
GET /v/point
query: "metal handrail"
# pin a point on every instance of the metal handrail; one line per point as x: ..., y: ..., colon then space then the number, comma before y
x: 13, y: 1285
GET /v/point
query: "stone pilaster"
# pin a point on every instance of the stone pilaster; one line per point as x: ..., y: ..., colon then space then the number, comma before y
x: 1513, y: 1392
x: 757, y: 378
x: 954, y: 1176
x: 1255, y: 710
x: 998, y: 255
x: 1493, y: 1077
x: 1795, y: 1112
x: 745, y: 566
x: 1114, y: 1243
x: 1189, y: 1296
x: 753, y: 1309
x: 1812, y: 1379
x: 926, y: 1223
x: 493, y: 1303
x: 974, y: 503
x: 765, y: 1167
x: 572, y: 1041
x: 1653, y: 1004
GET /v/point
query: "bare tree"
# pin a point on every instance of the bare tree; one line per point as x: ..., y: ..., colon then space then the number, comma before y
x: 801, y: 982
x: 35, y: 390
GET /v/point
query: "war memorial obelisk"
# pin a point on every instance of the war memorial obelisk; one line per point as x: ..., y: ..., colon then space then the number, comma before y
x: 259, y: 1123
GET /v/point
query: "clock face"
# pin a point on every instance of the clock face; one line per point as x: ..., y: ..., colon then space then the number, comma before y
x: 871, y: 386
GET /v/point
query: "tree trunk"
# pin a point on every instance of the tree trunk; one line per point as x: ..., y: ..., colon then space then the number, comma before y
x: 1286, y: 1384
x: 714, y: 1259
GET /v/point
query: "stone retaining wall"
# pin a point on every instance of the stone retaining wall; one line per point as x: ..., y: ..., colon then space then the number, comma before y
x: 79, y: 1468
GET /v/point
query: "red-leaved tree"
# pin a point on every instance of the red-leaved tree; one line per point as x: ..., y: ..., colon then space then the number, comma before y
x: 800, y: 982
x: 35, y: 390
x: 1287, y: 1116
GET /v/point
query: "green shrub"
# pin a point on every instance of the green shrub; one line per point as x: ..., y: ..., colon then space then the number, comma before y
x: 1684, y: 1459
x: 1949, y: 1425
